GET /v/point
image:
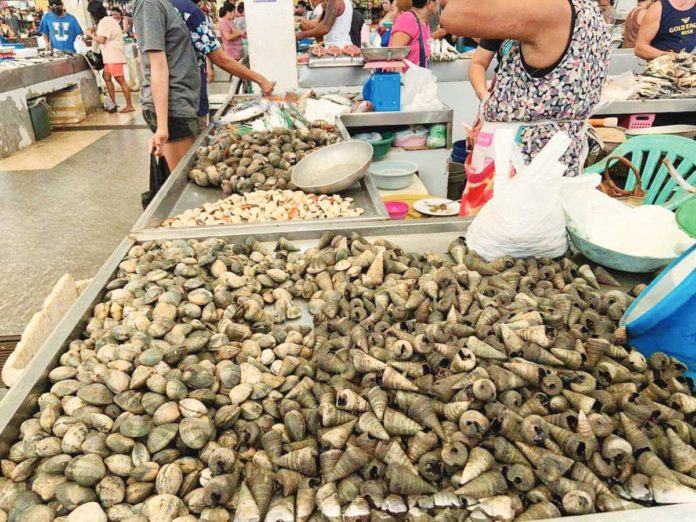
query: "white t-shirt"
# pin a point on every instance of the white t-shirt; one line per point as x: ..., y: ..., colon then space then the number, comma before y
x: 317, y: 12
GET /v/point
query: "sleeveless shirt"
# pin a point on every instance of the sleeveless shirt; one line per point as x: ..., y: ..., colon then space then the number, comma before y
x: 339, y: 34
x: 566, y: 94
x: 677, y: 30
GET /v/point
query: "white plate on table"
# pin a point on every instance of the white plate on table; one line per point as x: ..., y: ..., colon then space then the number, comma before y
x: 437, y: 207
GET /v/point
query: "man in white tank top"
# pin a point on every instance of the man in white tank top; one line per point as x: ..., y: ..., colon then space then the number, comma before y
x: 334, y: 27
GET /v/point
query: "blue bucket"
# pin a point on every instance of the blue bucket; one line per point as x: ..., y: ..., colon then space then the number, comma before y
x: 459, y: 151
x: 663, y: 317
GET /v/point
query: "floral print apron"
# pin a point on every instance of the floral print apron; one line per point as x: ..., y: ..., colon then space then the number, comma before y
x: 563, y: 99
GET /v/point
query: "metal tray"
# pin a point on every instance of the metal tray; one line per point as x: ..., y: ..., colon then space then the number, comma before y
x: 179, y: 194
x: 335, y: 61
x: 378, y: 54
x: 21, y: 401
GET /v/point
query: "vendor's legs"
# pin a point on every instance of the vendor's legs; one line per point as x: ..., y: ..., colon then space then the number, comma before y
x: 126, y: 94
x: 174, y: 151
x: 182, y: 133
x: 109, y: 84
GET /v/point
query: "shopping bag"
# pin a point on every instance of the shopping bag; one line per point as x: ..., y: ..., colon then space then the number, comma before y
x: 159, y: 172
x: 525, y: 218
x: 419, y: 90
x: 95, y: 60
x: 633, y: 197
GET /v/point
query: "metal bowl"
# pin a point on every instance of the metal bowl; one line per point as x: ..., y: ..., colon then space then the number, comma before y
x: 616, y: 260
x: 333, y: 168
x: 374, y: 54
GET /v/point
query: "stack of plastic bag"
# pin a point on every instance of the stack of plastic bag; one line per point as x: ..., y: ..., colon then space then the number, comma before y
x: 525, y: 216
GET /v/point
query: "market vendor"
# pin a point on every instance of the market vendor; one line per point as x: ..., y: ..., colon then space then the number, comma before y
x: 5, y: 30
x: 59, y: 29
x: 334, y: 26
x: 207, y: 46
x: 633, y: 22
x: 669, y: 26
x: 551, y: 78
x: 412, y: 29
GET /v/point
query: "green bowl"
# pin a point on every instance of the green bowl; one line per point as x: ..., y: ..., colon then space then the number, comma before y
x: 381, y: 147
x: 686, y: 217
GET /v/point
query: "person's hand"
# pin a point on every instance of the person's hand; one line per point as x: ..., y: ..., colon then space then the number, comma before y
x: 472, y: 133
x: 267, y: 87
x: 211, y: 76
x: 158, y: 141
x: 439, y: 34
x: 299, y: 36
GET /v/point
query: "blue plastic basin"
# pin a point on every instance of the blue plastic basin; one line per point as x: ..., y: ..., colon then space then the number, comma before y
x: 663, y: 317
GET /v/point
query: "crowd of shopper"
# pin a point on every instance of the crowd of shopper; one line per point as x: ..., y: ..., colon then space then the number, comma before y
x: 551, y: 55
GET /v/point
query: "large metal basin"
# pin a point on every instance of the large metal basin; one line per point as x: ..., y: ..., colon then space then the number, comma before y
x: 333, y: 168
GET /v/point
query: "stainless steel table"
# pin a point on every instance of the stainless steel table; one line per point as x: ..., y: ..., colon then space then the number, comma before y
x: 179, y: 194
x: 662, y: 105
x: 434, y: 235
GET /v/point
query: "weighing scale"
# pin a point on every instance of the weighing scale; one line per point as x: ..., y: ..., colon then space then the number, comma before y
x: 383, y: 87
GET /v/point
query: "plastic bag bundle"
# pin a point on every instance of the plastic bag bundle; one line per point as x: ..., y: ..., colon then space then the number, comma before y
x: 419, y: 91
x: 525, y: 216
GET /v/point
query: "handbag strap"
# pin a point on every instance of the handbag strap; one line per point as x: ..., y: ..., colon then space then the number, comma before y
x: 619, y: 192
x: 423, y: 61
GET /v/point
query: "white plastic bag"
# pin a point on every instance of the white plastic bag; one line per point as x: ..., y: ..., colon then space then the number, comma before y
x: 80, y: 46
x: 419, y: 90
x: 525, y: 216
x: 618, y: 88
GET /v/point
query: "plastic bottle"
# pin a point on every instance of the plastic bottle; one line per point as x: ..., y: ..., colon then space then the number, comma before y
x: 365, y: 35
x: 375, y: 39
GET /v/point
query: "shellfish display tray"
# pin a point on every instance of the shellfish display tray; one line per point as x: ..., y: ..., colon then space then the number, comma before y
x: 160, y: 467
x: 179, y: 194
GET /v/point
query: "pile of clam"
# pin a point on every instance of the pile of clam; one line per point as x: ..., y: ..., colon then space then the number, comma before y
x: 259, y: 160
x: 427, y: 386
x: 263, y: 206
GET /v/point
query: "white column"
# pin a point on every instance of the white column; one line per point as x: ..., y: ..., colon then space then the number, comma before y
x: 271, y: 37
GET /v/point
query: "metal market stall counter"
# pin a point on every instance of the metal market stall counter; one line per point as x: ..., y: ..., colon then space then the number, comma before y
x: 21, y: 401
x: 24, y: 79
x: 180, y: 194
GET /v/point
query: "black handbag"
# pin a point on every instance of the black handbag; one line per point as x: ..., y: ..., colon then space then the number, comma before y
x: 159, y: 172
x: 95, y: 60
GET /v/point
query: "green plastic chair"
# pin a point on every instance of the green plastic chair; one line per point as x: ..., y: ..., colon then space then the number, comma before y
x: 646, y: 153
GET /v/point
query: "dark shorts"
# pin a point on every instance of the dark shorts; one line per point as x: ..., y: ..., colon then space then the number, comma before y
x: 179, y: 128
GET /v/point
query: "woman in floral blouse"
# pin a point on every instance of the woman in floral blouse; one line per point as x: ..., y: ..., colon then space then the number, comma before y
x: 552, y: 76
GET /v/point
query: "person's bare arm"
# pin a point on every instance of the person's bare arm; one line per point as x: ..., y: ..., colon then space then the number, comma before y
x: 325, y: 25
x: 48, y: 42
x: 159, y: 80
x: 541, y: 25
x: 647, y: 32
x: 439, y: 33
x: 500, y: 19
x: 232, y: 66
x: 400, y: 39
x: 231, y: 36
x: 307, y: 25
x: 478, y: 68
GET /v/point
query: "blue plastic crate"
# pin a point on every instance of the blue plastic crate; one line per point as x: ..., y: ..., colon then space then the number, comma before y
x: 384, y: 91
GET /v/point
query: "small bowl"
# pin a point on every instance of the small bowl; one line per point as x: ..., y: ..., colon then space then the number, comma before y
x: 392, y: 174
x: 397, y: 209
